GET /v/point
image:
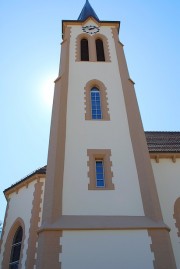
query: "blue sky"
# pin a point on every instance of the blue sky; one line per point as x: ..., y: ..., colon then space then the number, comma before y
x: 29, y: 62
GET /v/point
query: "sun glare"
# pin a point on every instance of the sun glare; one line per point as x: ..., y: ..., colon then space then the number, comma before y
x: 47, y: 91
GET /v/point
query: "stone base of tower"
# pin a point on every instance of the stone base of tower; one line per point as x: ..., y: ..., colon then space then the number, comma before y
x: 128, y: 249
x: 49, y: 250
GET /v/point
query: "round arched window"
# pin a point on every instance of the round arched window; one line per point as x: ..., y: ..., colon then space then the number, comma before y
x: 16, y: 249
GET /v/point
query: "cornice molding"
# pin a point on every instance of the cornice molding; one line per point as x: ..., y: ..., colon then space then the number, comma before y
x: 103, y: 223
x: 161, y: 155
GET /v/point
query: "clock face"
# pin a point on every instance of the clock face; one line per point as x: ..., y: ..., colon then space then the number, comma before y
x: 90, y: 29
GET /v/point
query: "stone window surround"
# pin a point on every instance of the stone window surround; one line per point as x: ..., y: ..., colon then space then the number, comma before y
x: 103, y: 154
x: 104, y: 103
x: 16, y: 248
x: 92, y: 47
x: 7, y: 249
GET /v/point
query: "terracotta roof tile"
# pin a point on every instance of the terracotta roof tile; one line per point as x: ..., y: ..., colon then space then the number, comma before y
x: 163, y: 141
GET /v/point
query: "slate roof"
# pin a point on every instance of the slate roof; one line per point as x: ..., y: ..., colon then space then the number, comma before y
x: 158, y: 142
x: 87, y: 12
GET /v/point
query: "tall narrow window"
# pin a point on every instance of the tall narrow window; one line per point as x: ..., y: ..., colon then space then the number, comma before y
x: 96, y: 111
x: 100, y: 50
x: 84, y: 50
x: 96, y: 101
x: 100, y: 182
x: 16, y: 249
x: 99, y: 166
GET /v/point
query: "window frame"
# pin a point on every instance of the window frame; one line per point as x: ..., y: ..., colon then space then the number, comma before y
x: 103, y: 155
x: 102, y: 179
x: 100, y: 53
x: 104, y: 101
x: 84, y: 53
x: 96, y: 104
x: 14, y: 245
x: 92, y: 47
x: 7, y: 247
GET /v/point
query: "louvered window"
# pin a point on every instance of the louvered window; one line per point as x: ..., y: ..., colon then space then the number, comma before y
x: 100, y: 50
x: 84, y: 50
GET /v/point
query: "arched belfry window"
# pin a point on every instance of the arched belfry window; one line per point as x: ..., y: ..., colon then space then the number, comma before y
x: 16, y: 249
x: 96, y: 111
x: 84, y: 50
x: 100, y: 50
x: 92, y: 48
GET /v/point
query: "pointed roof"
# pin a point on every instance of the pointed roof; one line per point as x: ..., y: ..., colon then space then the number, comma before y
x: 87, y: 12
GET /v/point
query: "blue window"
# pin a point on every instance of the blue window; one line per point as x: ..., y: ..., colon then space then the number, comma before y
x: 100, y: 182
x: 96, y: 112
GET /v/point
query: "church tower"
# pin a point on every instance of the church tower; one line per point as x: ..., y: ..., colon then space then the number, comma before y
x: 100, y: 208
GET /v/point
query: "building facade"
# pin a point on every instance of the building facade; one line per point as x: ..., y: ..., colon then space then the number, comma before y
x: 104, y: 200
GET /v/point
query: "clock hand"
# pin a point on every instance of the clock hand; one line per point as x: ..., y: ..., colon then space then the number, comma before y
x: 92, y: 28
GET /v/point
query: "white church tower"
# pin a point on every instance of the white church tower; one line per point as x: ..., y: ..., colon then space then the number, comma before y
x: 101, y: 208
x: 97, y: 205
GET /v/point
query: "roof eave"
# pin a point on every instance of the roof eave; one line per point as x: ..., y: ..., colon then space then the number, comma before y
x: 40, y: 173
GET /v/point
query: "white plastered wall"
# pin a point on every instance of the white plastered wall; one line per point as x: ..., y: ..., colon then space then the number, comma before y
x: 20, y: 206
x: 167, y: 177
x: 106, y: 249
x: 82, y: 135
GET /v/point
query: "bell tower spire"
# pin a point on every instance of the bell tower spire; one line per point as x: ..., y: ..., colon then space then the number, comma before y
x: 87, y: 12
